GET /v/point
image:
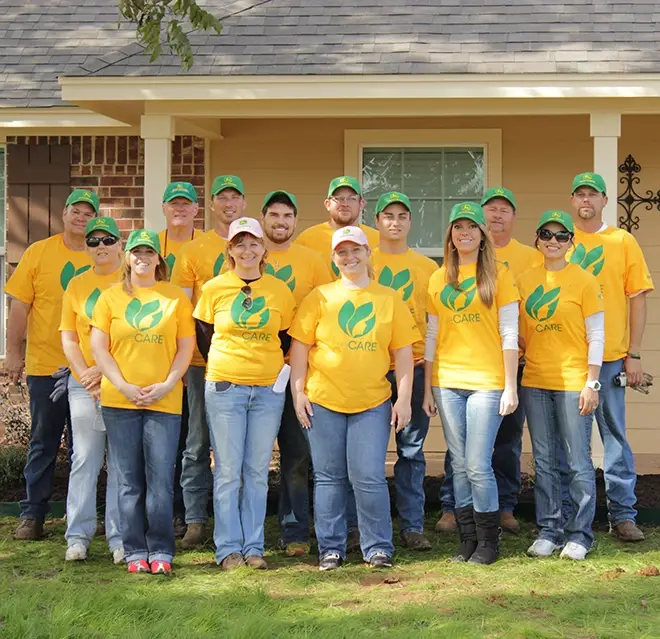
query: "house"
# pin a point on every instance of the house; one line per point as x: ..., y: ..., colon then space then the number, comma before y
x: 438, y: 98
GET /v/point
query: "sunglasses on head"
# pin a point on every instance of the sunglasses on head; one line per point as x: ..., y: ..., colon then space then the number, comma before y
x: 108, y: 240
x: 247, y: 302
x: 561, y: 236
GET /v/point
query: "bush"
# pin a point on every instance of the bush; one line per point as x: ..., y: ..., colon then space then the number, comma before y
x: 14, y: 414
x: 12, y: 461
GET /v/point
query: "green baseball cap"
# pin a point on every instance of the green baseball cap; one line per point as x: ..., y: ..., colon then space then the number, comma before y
x: 223, y: 182
x: 83, y: 195
x: 468, y: 211
x: 390, y: 198
x: 180, y: 189
x: 143, y: 237
x: 499, y: 191
x: 106, y: 224
x: 272, y: 194
x: 593, y: 180
x: 344, y: 180
x: 561, y: 217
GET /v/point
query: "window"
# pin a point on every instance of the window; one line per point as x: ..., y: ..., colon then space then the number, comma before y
x: 3, y: 209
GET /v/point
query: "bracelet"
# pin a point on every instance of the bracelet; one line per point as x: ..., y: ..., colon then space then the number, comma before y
x: 634, y: 356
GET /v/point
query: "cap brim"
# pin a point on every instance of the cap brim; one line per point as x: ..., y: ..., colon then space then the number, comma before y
x: 499, y: 197
x: 224, y: 187
x: 589, y: 184
x: 82, y: 199
x: 176, y: 195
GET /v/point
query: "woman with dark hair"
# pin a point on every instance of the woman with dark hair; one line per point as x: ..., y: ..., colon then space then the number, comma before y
x: 470, y: 372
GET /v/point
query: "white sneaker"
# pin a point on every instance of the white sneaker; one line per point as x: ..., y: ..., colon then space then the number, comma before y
x: 575, y: 551
x: 118, y: 555
x: 542, y: 548
x: 75, y: 552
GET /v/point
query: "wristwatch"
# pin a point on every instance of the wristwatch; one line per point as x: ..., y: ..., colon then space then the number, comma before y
x: 594, y: 386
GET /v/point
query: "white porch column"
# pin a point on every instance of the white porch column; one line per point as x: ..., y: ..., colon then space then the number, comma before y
x: 158, y: 133
x: 606, y: 130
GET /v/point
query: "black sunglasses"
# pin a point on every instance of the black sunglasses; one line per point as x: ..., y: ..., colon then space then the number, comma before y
x: 561, y: 236
x: 108, y: 240
x: 247, y: 302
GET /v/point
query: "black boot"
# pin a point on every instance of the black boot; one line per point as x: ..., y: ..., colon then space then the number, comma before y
x: 488, y: 533
x: 468, y: 533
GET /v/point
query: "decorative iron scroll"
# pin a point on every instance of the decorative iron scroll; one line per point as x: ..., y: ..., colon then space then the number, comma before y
x: 629, y: 200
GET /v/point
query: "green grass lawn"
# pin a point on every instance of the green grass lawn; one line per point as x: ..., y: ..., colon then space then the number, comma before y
x: 423, y: 596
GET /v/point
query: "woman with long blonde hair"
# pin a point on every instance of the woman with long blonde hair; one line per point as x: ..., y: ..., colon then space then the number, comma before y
x: 470, y: 371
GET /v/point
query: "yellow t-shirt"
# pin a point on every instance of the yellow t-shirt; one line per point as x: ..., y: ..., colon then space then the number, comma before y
x: 553, y: 307
x: 199, y: 261
x: 409, y: 273
x: 615, y: 258
x: 300, y: 268
x: 468, y: 352
x: 170, y: 249
x: 245, y: 348
x: 519, y: 257
x: 40, y: 280
x: 143, y: 329
x: 78, y: 306
x: 352, y: 332
x: 319, y: 239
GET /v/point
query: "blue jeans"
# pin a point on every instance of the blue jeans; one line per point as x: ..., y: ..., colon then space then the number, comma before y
x: 89, y: 452
x: 470, y: 421
x: 48, y: 420
x: 554, y: 422
x: 293, y: 509
x: 506, y: 461
x: 142, y: 446
x: 179, y: 508
x: 410, y: 466
x: 351, y: 448
x: 196, y: 476
x: 243, y: 422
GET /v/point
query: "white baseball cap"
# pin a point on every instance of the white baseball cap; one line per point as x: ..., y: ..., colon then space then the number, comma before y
x: 245, y: 225
x: 349, y: 234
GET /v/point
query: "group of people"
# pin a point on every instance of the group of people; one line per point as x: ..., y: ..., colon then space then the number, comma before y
x: 186, y: 342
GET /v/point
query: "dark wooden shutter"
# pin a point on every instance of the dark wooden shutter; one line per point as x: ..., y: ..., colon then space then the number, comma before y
x: 38, y: 184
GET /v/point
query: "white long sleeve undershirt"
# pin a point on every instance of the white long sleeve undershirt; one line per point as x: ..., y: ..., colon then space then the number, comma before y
x: 595, y: 327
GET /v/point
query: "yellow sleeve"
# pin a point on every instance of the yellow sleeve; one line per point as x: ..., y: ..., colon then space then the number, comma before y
x: 183, y: 274
x: 306, y: 319
x: 430, y: 298
x: 303, y: 239
x: 404, y: 327
x: 205, y: 309
x: 507, y: 291
x: 68, y: 320
x: 638, y: 278
x: 322, y: 275
x: 592, y: 298
x: 102, y: 315
x: 21, y: 283
x: 288, y: 309
x: 185, y: 321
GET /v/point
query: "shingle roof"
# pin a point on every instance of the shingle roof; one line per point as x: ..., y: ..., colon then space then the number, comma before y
x: 42, y: 39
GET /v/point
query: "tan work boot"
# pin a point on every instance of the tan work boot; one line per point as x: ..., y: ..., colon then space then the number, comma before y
x: 627, y: 530
x: 508, y: 523
x: 29, y: 530
x: 195, y: 536
x: 233, y: 561
x: 256, y: 562
x: 446, y: 523
x: 415, y: 541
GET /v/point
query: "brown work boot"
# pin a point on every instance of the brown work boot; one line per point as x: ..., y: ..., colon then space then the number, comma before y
x: 195, y: 536
x: 508, y: 523
x: 415, y: 541
x: 100, y: 529
x: 353, y: 541
x: 256, y: 562
x: 29, y: 530
x: 179, y: 527
x: 627, y: 530
x: 446, y: 523
x: 233, y: 561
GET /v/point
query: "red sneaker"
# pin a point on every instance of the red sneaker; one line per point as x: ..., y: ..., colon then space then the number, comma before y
x: 161, y: 568
x: 138, y: 565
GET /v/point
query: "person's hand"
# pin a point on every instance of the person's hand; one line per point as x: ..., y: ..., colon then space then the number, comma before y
x: 14, y: 364
x: 131, y: 392
x: 588, y: 401
x: 429, y: 405
x: 508, y: 401
x: 303, y: 410
x: 95, y: 392
x: 154, y: 393
x: 401, y: 415
x: 91, y: 377
x: 634, y: 371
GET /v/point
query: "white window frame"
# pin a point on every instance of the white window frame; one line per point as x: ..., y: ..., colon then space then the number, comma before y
x: 357, y: 140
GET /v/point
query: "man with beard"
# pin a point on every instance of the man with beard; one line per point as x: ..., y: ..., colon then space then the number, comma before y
x: 199, y: 261
x: 302, y: 270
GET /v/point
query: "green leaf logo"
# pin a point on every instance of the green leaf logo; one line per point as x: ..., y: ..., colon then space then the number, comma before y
x: 283, y: 274
x: 335, y: 270
x: 91, y: 302
x: 170, y: 260
x: 219, y: 263
x: 143, y: 317
x: 400, y: 281
x: 252, y: 318
x: 69, y: 272
x: 356, y: 322
x: 458, y: 299
x: 592, y: 261
x: 541, y: 305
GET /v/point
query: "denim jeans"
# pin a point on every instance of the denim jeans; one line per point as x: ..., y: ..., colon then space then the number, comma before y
x: 48, y: 420
x: 179, y: 508
x: 243, y: 422
x: 89, y: 452
x: 196, y: 466
x: 410, y: 466
x: 554, y: 422
x: 293, y: 509
x: 470, y: 421
x: 142, y: 446
x: 351, y: 448
x: 506, y: 461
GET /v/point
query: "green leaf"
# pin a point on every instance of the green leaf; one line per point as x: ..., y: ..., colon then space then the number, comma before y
x: 444, y: 296
x: 270, y: 270
x: 598, y: 267
x: 407, y: 292
x: 578, y: 254
x: 170, y: 260
x: 237, y: 309
x: 292, y: 284
x: 552, y: 307
x: 83, y: 269
x: 219, y: 263
x: 536, y: 295
x: 592, y: 256
x: 466, y: 287
x: 546, y: 298
x: 150, y: 308
x: 361, y: 313
x: 132, y: 309
x: 91, y: 302
x: 345, y: 314
x: 265, y: 316
x: 335, y: 270
x: 386, y: 277
x: 67, y: 274
x: 284, y: 273
x: 258, y: 304
x: 401, y: 279
x: 368, y: 325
